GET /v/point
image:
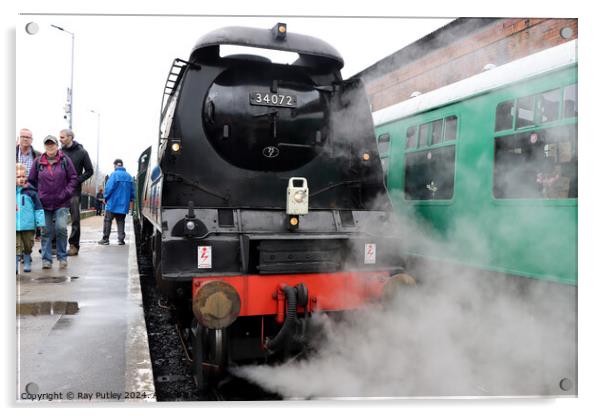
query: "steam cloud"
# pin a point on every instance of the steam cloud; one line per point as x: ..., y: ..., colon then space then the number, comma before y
x: 457, y: 333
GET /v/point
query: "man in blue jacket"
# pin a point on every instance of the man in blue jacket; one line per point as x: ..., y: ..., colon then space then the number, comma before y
x: 119, y: 197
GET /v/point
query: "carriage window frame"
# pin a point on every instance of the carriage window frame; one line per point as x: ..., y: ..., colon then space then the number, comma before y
x: 525, y: 112
x: 426, y: 129
x: 541, y: 108
x: 536, y: 165
x: 447, y: 140
x: 437, y: 129
x: 446, y: 122
x: 575, y: 113
x: 411, y: 133
x: 561, y: 120
x: 504, y: 115
x: 383, y: 138
x: 429, y: 130
x: 384, y: 155
x: 536, y: 108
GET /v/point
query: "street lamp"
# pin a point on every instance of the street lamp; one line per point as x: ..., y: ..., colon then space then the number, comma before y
x: 69, y: 109
x: 97, y: 151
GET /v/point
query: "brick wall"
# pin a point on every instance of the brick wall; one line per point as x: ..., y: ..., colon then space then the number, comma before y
x: 503, y: 41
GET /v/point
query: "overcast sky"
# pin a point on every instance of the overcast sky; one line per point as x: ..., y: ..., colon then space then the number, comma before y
x: 121, y: 64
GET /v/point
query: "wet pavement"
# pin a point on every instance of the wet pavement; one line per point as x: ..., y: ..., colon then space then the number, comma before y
x: 81, y: 334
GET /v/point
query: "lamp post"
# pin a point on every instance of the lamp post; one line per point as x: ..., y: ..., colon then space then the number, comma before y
x: 97, y: 151
x: 69, y: 109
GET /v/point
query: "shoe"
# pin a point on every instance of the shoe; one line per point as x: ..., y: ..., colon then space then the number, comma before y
x: 26, y: 263
x: 62, y: 264
x: 46, y: 264
x: 73, y: 250
x: 103, y: 242
x: 121, y: 243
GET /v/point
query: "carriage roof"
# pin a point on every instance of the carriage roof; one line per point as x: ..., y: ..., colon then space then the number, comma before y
x: 545, y: 61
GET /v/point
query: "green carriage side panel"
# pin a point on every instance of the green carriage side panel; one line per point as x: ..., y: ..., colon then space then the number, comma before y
x: 534, y: 238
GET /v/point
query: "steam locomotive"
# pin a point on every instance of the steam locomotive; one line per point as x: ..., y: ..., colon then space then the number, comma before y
x: 263, y: 201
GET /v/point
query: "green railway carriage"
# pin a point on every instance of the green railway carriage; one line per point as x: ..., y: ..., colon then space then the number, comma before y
x: 489, y: 164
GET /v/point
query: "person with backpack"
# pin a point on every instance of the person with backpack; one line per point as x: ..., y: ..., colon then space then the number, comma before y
x: 54, y: 175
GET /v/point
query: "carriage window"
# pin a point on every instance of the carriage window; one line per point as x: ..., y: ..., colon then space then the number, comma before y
x: 437, y: 131
x: 549, y: 106
x: 384, y: 140
x: 411, y: 138
x: 429, y: 174
x: 526, y: 115
x: 540, y: 164
x: 423, y: 135
x: 503, y: 115
x: 385, y: 165
x: 451, y: 128
x: 570, y: 101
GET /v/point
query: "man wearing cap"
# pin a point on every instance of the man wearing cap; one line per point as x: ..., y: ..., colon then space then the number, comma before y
x: 119, y: 197
x: 83, y: 167
x: 53, y: 174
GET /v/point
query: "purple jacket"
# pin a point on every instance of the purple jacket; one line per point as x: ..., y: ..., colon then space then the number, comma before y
x: 56, y: 183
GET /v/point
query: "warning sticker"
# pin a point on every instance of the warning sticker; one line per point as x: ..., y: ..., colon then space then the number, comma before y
x: 204, y: 257
x: 370, y: 253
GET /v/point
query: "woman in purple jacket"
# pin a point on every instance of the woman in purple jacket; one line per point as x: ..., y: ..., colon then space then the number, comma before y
x: 54, y: 175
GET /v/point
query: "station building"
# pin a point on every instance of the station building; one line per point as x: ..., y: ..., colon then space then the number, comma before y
x: 458, y: 50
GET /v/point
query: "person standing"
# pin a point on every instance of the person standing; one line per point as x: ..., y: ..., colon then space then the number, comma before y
x: 99, y: 201
x: 119, y: 198
x: 83, y: 167
x: 53, y: 174
x: 25, y: 151
x: 30, y: 215
x: 25, y: 155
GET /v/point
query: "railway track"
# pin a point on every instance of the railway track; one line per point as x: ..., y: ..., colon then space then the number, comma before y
x: 172, y: 364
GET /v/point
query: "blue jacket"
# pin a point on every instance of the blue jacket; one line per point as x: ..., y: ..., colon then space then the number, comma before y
x: 119, y: 191
x: 30, y: 213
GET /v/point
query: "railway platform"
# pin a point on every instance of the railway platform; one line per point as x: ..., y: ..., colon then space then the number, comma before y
x: 81, y: 334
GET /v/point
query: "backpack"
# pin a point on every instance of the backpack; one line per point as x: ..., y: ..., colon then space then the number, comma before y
x: 40, y: 167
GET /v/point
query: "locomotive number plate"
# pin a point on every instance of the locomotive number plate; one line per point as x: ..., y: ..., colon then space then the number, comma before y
x: 273, y: 100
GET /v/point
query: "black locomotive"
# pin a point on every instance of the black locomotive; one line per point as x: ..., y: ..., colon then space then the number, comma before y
x: 265, y: 201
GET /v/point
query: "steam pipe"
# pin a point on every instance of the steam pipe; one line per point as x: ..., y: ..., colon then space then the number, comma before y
x: 287, y: 329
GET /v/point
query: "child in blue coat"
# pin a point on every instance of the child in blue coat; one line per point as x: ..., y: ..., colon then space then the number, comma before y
x: 30, y: 215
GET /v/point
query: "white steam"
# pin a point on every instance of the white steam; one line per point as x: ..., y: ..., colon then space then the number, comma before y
x: 457, y: 333
x: 460, y: 337
x: 460, y: 331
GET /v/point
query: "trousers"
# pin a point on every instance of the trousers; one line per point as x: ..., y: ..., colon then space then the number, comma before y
x: 106, y: 229
x: 56, y: 226
x: 25, y: 241
x: 75, y: 227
